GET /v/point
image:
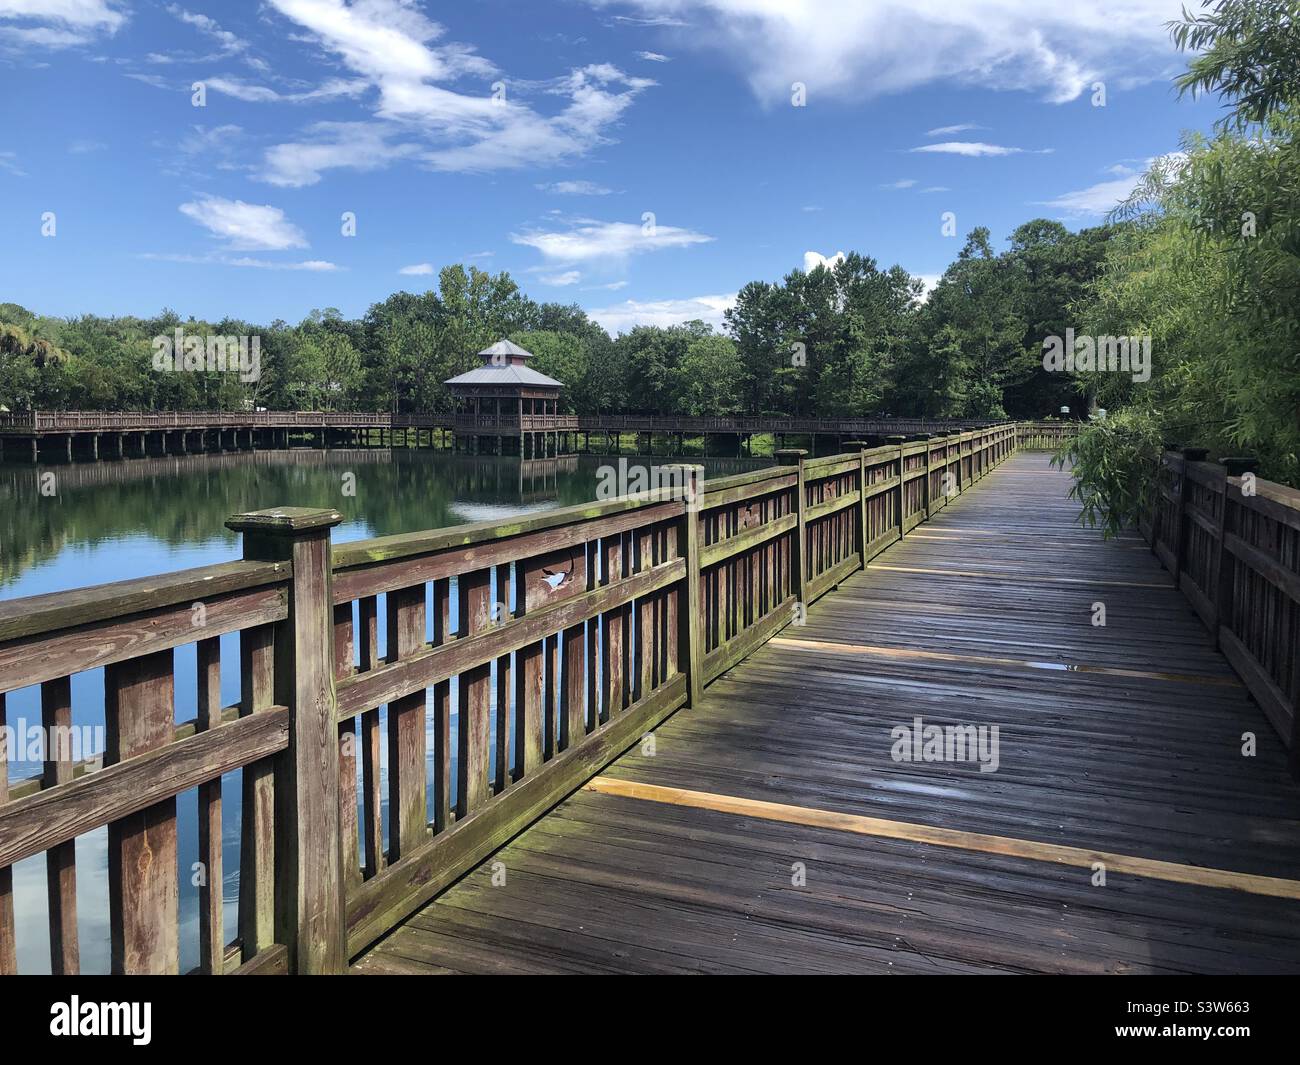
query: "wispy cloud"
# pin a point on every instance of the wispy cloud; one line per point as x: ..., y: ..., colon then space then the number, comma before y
x: 401, y: 53
x: 568, y: 277
x: 942, y: 131
x: 1099, y: 199
x: 315, y: 266
x: 654, y: 57
x: 417, y: 270
x: 625, y: 316
x: 250, y: 93
x: 245, y: 226
x: 591, y: 241
x: 575, y: 188
x: 975, y: 149
x: 58, y: 23
x: 848, y: 48
x: 901, y: 183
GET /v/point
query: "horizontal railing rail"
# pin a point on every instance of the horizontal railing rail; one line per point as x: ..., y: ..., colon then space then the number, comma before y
x: 1231, y: 542
x: 516, y: 659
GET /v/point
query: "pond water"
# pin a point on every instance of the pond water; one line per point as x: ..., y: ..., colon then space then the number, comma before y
x: 70, y: 526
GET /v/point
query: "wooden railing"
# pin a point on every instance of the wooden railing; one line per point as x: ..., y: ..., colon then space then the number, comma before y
x: 1231, y: 542
x: 558, y: 640
x: 151, y: 421
x: 1044, y: 436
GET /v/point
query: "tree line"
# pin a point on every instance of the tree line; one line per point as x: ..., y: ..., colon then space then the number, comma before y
x: 849, y: 338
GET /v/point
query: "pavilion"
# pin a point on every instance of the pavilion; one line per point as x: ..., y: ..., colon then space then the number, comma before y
x: 505, y: 399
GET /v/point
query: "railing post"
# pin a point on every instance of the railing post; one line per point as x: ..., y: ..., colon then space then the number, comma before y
x: 1232, y: 467
x: 928, y: 475
x: 899, y: 440
x: 794, y: 456
x: 690, y: 635
x: 860, y: 446
x: 1190, y: 455
x: 308, y: 852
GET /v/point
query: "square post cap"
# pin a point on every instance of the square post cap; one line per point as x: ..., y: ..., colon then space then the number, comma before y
x: 791, y: 456
x: 285, y: 521
x: 856, y: 445
x: 1236, y: 465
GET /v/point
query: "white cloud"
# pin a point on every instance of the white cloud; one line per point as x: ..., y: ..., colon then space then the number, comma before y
x: 622, y: 317
x: 417, y: 270
x: 1095, y: 199
x: 330, y: 90
x: 568, y: 277
x: 397, y: 50
x: 936, y: 188
x: 812, y: 260
x: 245, y: 226
x: 58, y: 23
x: 587, y: 241
x: 901, y: 183
x: 318, y: 266
x: 575, y: 188
x: 973, y: 149
x: 1099, y: 199
x: 849, y: 48
x: 654, y: 57
x: 333, y: 145
x: 9, y: 165
x: 230, y: 43
x: 944, y: 130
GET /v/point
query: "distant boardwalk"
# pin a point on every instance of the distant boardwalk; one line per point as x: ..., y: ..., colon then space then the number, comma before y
x: 68, y: 435
x: 1119, y: 751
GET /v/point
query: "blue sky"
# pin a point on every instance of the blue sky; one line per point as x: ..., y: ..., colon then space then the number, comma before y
x: 642, y: 158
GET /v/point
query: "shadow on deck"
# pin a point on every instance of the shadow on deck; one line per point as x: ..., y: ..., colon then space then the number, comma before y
x: 772, y: 830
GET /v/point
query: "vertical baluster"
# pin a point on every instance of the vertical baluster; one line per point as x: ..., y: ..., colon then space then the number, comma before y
x: 142, y: 874
x: 60, y: 860
x: 474, y: 695
x: 372, y: 812
x: 349, y: 829
x: 645, y: 619
x: 407, y: 789
x: 257, y: 827
x: 529, y: 677
x: 594, y: 652
x: 441, y: 711
x: 573, y: 686
x: 613, y: 648
x: 504, y: 686
x: 8, y: 944
x: 212, y: 940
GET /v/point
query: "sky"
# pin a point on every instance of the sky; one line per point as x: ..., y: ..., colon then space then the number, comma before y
x: 641, y: 158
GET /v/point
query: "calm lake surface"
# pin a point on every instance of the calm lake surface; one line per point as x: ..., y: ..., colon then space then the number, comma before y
x: 109, y: 521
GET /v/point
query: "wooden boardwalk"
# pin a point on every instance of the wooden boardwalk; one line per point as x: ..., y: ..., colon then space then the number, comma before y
x: 1119, y: 744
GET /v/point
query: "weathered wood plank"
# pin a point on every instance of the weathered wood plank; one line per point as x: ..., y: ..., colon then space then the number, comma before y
x: 474, y: 598
x: 212, y: 942
x: 143, y: 891
x: 35, y: 659
x: 257, y: 826
x: 407, y: 788
x: 60, y: 859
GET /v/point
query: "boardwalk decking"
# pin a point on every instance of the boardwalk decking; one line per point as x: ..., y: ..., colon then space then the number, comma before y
x: 1121, y: 744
